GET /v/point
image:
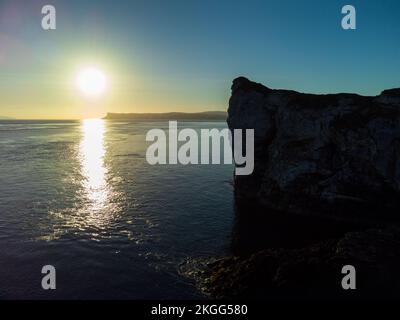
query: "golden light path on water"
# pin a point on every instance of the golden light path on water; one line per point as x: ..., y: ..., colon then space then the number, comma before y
x: 92, y: 154
x: 98, y: 192
x: 93, y: 211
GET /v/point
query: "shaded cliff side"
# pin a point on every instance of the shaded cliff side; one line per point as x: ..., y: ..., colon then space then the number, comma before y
x: 335, y: 155
x: 325, y: 193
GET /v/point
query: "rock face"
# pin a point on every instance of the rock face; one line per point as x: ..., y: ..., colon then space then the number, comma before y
x: 335, y: 155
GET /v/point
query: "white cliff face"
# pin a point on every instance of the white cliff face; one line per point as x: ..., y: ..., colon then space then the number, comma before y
x: 327, y: 155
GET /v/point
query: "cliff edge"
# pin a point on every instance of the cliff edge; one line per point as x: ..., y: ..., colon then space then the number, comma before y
x: 325, y: 194
x: 334, y: 155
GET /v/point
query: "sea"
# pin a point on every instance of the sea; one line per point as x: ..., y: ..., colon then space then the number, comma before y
x: 80, y: 196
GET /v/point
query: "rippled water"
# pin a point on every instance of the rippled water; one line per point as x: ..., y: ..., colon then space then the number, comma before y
x: 81, y: 196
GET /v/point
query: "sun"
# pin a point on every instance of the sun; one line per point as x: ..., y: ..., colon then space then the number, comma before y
x: 91, y: 81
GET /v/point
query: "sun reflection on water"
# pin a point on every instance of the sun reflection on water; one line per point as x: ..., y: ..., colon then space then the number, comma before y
x: 99, y: 210
x: 92, y: 153
x: 95, y: 203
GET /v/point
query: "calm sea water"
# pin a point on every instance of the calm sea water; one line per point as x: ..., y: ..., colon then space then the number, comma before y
x: 81, y: 196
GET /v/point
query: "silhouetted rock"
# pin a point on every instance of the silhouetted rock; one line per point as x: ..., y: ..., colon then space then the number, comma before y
x: 312, y: 272
x: 335, y: 155
x: 325, y: 193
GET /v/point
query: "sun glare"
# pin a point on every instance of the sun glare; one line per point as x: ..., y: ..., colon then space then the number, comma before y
x: 91, y: 81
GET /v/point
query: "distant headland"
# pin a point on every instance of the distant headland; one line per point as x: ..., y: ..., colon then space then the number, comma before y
x: 205, y: 116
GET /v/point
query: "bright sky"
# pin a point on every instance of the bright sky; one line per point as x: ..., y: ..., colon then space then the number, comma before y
x: 173, y: 55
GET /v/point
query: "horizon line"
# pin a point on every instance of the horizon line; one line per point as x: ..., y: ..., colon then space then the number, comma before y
x: 8, y: 118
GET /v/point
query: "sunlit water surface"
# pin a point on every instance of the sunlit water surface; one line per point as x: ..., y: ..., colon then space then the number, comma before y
x: 81, y: 196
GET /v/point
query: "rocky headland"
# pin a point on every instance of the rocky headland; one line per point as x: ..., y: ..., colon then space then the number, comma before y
x: 170, y: 116
x: 325, y: 193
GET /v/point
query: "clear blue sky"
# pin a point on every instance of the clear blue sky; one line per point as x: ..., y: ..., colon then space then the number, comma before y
x: 182, y: 55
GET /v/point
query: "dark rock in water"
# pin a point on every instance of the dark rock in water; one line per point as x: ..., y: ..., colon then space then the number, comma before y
x: 335, y: 155
x: 314, y: 271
